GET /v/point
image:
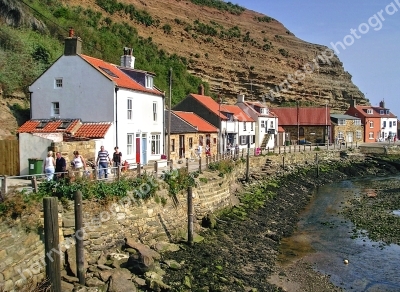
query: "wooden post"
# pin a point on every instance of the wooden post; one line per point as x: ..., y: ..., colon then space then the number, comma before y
x: 242, y: 153
x: 310, y: 147
x: 283, y: 162
x: 34, y: 184
x: 4, y: 188
x: 139, y: 170
x: 118, y: 172
x: 279, y: 150
x: 248, y: 160
x: 200, y: 164
x: 51, y: 243
x: 190, y: 215
x: 79, y: 233
x: 299, y: 148
x: 316, y: 159
x: 171, y: 165
x: 155, y: 167
x: 187, y: 164
x: 207, y: 158
x: 96, y: 173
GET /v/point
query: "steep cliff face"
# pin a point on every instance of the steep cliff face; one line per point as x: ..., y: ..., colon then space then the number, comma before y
x: 244, y: 52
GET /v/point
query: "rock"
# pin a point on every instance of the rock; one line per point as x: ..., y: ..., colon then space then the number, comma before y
x: 140, y: 264
x: 104, y: 267
x: 142, y: 249
x: 120, y: 281
x: 166, y: 246
x: 65, y: 286
x: 173, y: 265
x: 118, y: 256
x: 94, y: 282
x: 157, y: 285
x: 186, y: 282
x: 70, y: 279
x: 209, y: 221
x: 141, y: 282
x: 105, y: 275
x: 71, y: 254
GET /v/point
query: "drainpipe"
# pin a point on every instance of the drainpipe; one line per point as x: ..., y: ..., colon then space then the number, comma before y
x: 30, y: 105
x: 116, y: 116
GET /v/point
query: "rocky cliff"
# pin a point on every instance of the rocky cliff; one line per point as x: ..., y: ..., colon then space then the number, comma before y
x: 234, y: 50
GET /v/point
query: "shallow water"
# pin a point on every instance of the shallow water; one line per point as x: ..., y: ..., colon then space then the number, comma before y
x: 323, y: 238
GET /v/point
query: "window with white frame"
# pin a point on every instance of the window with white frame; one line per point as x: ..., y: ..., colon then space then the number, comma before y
x: 149, y: 81
x: 155, y: 144
x: 384, y: 124
x: 394, y: 123
x: 55, y: 108
x: 357, y: 122
x: 129, y: 144
x: 243, y: 140
x: 58, y: 83
x: 263, y: 124
x: 244, y: 126
x: 129, y: 109
x: 154, y: 111
x: 271, y: 124
x: 340, y: 135
x: 390, y: 124
x: 369, y: 111
x: 381, y: 112
x: 371, y: 124
x: 341, y: 122
x: 387, y: 112
x: 358, y: 134
x: 371, y: 135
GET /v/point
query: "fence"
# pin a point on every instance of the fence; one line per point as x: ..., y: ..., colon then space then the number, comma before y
x: 9, y: 158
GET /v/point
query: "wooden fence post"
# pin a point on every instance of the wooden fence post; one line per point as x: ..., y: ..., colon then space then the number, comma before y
x: 200, y: 164
x: 79, y: 233
x: 171, y: 165
x: 51, y: 243
x: 34, y: 184
x: 190, y: 215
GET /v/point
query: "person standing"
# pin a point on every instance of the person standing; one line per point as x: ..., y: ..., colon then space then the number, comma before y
x: 102, y: 161
x: 49, y: 166
x: 79, y: 164
x: 117, y: 159
x: 61, y: 167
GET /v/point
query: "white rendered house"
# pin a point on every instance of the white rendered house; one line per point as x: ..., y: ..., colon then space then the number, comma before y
x: 266, y: 122
x: 81, y: 87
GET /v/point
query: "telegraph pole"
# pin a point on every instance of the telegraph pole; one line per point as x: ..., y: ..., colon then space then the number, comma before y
x: 169, y: 116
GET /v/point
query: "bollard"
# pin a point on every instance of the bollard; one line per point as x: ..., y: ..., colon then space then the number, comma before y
x: 155, y: 167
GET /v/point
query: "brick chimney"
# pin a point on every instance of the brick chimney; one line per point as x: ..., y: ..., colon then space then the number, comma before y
x: 128, y: 60
x: 382, y: 104
x: 352, y: 103
x: 201, y: 89
x: 72, y: 44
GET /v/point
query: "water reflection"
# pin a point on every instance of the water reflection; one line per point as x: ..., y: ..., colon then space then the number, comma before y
x: 324, y: 238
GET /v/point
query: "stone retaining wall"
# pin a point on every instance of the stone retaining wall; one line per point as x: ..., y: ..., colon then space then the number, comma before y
x: 106, y: 227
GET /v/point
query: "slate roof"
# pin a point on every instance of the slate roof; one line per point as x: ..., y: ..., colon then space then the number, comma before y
x: 342, y: 116
x: 178, y: 125
x: 113, y: 73
x: 239, y: 114
x: 196, y: 121
x: 308, y: 116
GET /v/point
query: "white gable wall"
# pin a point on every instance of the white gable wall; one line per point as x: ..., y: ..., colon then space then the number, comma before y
x: 31, y: 146
x: 86, y: 94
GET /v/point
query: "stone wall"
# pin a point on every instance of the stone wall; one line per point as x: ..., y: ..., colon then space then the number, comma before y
x: 106, y: 226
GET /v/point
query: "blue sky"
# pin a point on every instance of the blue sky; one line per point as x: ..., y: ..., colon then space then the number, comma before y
x: 372, y: 51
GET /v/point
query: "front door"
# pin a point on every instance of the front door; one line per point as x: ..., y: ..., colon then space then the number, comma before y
x: 181, y: 146
x: 144, y: 148
x: 349, y: 137
x: 137, y: 149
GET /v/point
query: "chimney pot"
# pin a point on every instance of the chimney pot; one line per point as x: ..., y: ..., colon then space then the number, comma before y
x: 201, y: 89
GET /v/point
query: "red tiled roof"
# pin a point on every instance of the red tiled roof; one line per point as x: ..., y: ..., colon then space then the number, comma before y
x: 280, y: 129
x: 308, y: 116
x: 93, y: 130
x: 120, y: 78
x: 211, y: 104
x: 239, y: 114
x: 193, y: 119
x: 50, y: 126
x: 362, y: 109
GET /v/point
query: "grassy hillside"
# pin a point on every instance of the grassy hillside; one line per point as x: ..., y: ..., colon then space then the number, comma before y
x: 25, y: 54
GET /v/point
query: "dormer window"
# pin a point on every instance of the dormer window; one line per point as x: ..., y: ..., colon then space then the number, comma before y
x: 381, y: 112
x: 369, y: 111
x: 149, y: 81
x: 387, y: 112
x: 262, y: 111
x: 64, y: 125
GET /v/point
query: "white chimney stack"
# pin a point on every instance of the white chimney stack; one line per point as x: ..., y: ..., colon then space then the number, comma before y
x: 127, y: 60
x: 240, y: 98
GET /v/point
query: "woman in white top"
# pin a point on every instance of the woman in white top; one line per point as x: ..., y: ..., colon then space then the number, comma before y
x: 79, y: 164
x: 49, y: 166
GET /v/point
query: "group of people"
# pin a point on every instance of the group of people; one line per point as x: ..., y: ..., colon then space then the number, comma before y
x: 55, y: 168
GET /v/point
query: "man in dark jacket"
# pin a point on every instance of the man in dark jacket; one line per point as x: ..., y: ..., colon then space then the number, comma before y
x: 61, y: 167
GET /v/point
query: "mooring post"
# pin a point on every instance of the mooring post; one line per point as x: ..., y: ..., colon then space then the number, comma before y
x: 248, y: 160
x: 190, y: 215
x: 200, y: 164
x: 283, y: 162
x: 34, y: 184
x: 51, y: 243
x: 79, y: 233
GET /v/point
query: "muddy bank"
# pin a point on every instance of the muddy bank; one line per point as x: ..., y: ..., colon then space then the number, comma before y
x: 240, y: 253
